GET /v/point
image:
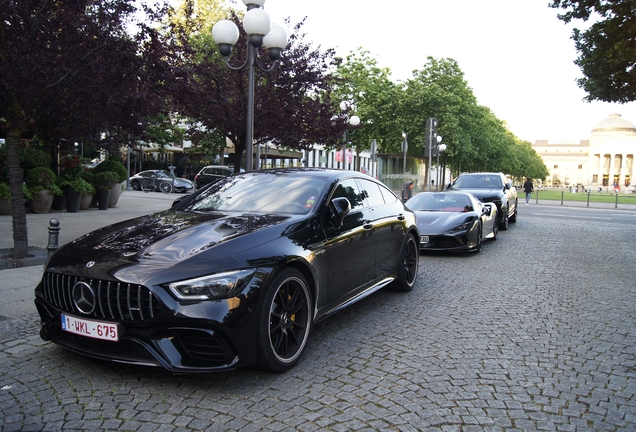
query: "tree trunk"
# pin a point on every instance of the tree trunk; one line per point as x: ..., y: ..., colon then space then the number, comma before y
x: 20, y: 237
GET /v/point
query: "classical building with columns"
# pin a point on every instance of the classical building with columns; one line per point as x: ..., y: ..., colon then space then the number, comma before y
x: 604, y: 160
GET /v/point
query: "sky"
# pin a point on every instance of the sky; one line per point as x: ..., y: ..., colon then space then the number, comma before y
x: 516, y: 55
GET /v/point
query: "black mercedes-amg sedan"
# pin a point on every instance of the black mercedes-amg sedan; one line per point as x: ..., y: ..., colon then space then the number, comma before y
x: 233, y: 275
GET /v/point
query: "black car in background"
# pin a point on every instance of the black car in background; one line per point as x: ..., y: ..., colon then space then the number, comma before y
x: 491, y: 187
x: 210, y: 174
x: 233, y: 275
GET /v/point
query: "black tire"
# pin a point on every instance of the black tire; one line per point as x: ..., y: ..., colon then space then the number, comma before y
x: 495, y: 231
x: 513, y: 218
x: 503, y: 224
x: 480, y: 237
x: 284, y: 321
x: 407, y: 268
x: 136, y: 185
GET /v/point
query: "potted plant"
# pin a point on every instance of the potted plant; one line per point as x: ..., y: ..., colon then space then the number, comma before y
x: 121, y: 174
x: 87, y: 197
x: 73, y: 189
x: 104, y: 182
x: 5, y: 198
x: 59, y: 201
x: 41, y: 184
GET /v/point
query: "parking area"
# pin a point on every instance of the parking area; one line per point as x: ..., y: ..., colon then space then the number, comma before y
x: 536, y: 332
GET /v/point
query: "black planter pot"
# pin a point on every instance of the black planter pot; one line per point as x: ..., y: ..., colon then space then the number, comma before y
x: 103, y: 198
x: 73, y: 200
x: 59, y: 202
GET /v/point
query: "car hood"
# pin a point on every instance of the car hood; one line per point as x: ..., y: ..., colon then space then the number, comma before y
x: 182, y: 182
x: 438, y: 222
x: 482, y: 193
x: 169, y: 245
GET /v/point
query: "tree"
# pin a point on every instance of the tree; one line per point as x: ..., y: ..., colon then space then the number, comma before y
x: 374, y: 98
x: 69, y: 69
x: 293, y: 103
x: 607, y: 49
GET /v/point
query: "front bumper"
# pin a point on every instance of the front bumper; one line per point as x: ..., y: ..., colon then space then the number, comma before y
x: 459, y: 242
x: 155, y: 329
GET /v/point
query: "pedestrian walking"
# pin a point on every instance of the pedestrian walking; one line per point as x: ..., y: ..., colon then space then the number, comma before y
x: 528, y: 187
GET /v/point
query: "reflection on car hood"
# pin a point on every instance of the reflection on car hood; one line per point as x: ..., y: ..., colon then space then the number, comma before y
x: 481, y: 193
x: 164, y: 241
x: 182, y: 182
x: 437, y: 222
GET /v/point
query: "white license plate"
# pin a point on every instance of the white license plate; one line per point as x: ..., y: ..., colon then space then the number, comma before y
x: 90, y: 328
x: 423, y: 239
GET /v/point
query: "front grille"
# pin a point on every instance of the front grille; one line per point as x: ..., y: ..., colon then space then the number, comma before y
x: 113, y: 300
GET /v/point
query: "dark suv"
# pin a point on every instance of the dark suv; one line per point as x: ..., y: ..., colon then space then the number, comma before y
x: 211, y: 174
x: 494, y: 188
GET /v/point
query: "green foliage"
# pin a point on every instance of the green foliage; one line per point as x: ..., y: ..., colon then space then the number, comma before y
x: 121, y: 173
x: 374, y: 98
x: 606, y: 48
x: 104, y: 180
x: 5, y: 191
x: 78, y: 185
x: 42, y: 178
x: 163, y: 131
x: 32, y: 158
x: 87, y: 176
x: 476, y: 139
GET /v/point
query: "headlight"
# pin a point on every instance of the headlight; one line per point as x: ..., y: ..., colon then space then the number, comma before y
x: 216, y: 286
x: 463, y: 227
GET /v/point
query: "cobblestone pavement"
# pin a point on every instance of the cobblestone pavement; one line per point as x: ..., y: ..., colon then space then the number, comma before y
x: 537, y: 332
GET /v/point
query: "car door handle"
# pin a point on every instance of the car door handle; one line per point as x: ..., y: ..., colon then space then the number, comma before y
x: 367, y: 225
x: 400, y: 216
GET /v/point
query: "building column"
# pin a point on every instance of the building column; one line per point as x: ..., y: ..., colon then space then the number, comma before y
x: 621, y: 173
x: 601, y: 168
x: 610, y: 179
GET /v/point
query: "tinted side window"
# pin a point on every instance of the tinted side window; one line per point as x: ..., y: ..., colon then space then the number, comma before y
x: 389, y: 196
x: 372, y: 192
x: 349, y: 189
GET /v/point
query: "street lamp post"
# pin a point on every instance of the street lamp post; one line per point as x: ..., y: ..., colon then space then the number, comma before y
x: 256, y: 24
x: 440, y: 148
x: 353, y: 121
x: 405, y: 149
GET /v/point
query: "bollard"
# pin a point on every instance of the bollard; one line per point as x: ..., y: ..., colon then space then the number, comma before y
x: 54, y: 237
x: 616, y: 205
x: 588, y: 198
x: 561, y: 197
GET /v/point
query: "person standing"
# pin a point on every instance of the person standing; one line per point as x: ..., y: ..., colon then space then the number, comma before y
x: 528, y: 187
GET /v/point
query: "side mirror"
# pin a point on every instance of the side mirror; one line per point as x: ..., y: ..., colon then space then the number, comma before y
x: 175, y: 202
x: 508, y: 185
x: 341, y: 208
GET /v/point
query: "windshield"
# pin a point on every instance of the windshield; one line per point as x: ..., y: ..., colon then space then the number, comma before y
x: 482, y: 181
x: 261, y: 193
x: 440, y: 202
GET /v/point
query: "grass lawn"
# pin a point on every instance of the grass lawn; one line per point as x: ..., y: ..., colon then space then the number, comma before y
x: 555, y: 195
